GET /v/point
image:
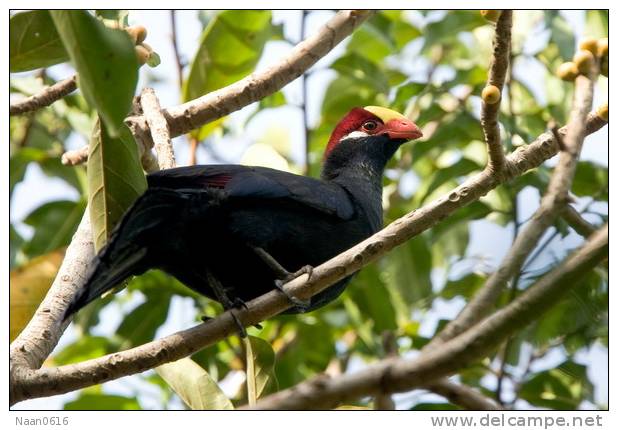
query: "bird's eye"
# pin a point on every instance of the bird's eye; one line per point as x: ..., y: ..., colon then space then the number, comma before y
x: 370, y: 125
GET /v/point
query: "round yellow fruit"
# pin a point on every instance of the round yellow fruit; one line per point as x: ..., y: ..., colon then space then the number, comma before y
x: 589, y: 44
x: 491, y: 94
x: 603, y: 111
x: 142, y: 53
x: 491, y: 14
x: 567, y: 71
x: 602, y: 47
x: 584, y: 60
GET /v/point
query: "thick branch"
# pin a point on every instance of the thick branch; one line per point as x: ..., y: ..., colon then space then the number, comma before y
x: 498, y: 67
x: 398, y: 375
x: 45, y: 382
x: 159, y: 129
x: 45, y: 97
x: 40, y: 336
x: 217, y: 104
x: 552, y: 204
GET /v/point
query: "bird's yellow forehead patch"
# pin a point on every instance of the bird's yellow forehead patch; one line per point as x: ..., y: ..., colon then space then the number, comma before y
x: 384, y: 114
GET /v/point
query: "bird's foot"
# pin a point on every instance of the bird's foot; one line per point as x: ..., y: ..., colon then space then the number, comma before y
x: 300, y: 304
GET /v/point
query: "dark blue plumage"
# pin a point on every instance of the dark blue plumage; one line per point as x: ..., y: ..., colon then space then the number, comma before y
x: 202, y: 221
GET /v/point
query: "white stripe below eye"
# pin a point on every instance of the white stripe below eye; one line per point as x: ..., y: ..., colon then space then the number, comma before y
x: 355, y: 135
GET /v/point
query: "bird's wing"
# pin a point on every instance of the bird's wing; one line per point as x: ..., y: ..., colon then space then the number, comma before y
x: 258, y: 182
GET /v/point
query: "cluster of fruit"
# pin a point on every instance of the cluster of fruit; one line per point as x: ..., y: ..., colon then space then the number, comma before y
x: 590, y: 50
x: 138, y: 34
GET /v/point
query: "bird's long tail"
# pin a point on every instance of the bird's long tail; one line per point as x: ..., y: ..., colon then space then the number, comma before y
x: 126, y: 252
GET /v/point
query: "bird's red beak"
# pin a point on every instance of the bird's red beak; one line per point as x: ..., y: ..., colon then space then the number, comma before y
x: 401, y: 129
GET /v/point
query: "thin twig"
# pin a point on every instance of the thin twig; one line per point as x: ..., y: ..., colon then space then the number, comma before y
x: 462, y: 395
x: 577, y: 222
x: 179, y: 66
x: 303, y: 28
x: 75, y: 156
x: 497, y: 72
x: 44, y: 98
x: 159, y: 129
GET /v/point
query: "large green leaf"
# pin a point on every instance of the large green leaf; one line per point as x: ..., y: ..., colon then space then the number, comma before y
x: 84, y: 348
x: 54, y: 225
x: 561, y: 33
x: 34, y: 41
x: 591, y: 179
x: 597, y: 23
x: 102, y: 402
x: 260, y: 367
x: 141, y: 324
x: 230, y: 47
x: 115, y: 180
x: 194, y: 385
x: 407, y: 270
x: 561, y: 388
x: 105, y: 61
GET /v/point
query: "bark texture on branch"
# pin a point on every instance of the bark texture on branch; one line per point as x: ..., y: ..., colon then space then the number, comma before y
x: 399, y: 375
x: 159, y: 129
x: 498, y: 67
x: 44, y: 98
x: 45, y: 382
x: 217, y: 104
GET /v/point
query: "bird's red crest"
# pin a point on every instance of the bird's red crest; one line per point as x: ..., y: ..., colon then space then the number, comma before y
x: 351, y: 122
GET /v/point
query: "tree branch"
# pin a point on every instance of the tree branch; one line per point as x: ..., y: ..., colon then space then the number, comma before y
x: 45, y: 97
x: 48, y: 381
x: 217, y: 104
x: 499, y: 65
x: 398, y: 375
x: 462, y: 395
x: 159, y: 129
x: 552, y: 204
x: 577, y: 222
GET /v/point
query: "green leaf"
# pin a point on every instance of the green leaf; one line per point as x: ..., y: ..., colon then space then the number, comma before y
x: 34, y: 42
x: 597, y: 23
x: 465, y: 286
x: 475, y: 210
x: 591, y: 179
x: 449, y: 27
x: 102, y: 402
x: 105, y: 61
x: 115, y: 180
x: 374, y: 300
x: 121, y: 16
x: 461, y: 168
x: 363, y: 70
x: 54, y: 224
x: 260, y: 367
x: 407, y: 270
x: 561, y: 34
x: 194, y: 385
x: 230, y: 48
x: 563, y: 388
x: 141, y: 324
x: 84, y: 348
